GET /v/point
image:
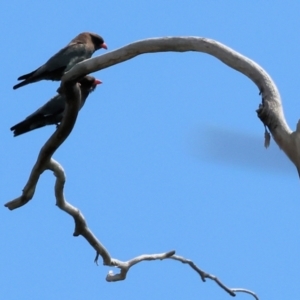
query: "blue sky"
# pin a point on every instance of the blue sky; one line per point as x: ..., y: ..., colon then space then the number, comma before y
x: 167, y: 154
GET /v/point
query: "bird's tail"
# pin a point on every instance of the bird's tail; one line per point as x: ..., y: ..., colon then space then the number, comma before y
x: 26, y: 126
x: 25, y: 82
x: 27, y: 78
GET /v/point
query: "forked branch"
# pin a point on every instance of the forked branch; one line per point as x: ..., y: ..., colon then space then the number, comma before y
x: 270, y: 112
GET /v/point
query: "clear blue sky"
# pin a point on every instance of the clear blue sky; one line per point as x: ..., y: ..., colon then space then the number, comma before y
x: 167, y: 154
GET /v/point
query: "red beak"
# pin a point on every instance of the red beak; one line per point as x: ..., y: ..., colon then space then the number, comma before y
x: 97, y: 81
x: 104, y: 46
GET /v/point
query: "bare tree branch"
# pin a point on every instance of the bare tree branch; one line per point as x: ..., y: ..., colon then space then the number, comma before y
x: 81, y: 228
x: 270, y: 110
x: 73, y: 95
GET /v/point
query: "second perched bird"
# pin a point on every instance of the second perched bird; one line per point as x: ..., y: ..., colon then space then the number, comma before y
x: 80, y: 48
x: 53, y: 111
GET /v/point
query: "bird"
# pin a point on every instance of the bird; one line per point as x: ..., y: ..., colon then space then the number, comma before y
x: 80, y: 48
x: 52, y: 112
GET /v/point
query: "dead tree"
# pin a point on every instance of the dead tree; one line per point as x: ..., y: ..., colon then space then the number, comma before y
x: 270, y: 112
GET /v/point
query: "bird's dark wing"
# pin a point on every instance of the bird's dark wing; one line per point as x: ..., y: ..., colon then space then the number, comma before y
x: 35, y: 122
x: 54, y: 106
x: 48, y: 114
x: 55, y: 67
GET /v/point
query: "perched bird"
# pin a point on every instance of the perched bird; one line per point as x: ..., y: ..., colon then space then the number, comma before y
x: 53, y: 111
x: 80, y: 48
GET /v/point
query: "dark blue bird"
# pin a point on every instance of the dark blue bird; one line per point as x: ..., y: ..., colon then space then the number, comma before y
x: 52, y: 112
x: 80, y: 48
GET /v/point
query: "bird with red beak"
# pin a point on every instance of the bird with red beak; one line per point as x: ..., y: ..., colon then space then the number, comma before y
x: 80, y: 48
x: 52, y: 112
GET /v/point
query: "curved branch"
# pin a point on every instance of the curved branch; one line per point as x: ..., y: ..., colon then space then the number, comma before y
x: 270, y: 111
x: 73, y: 96
x: 238, y: 290
x: 81, y: 227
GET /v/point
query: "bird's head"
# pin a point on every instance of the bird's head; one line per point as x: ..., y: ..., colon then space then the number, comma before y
x: 98, y: 41
x: 89, y: 83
